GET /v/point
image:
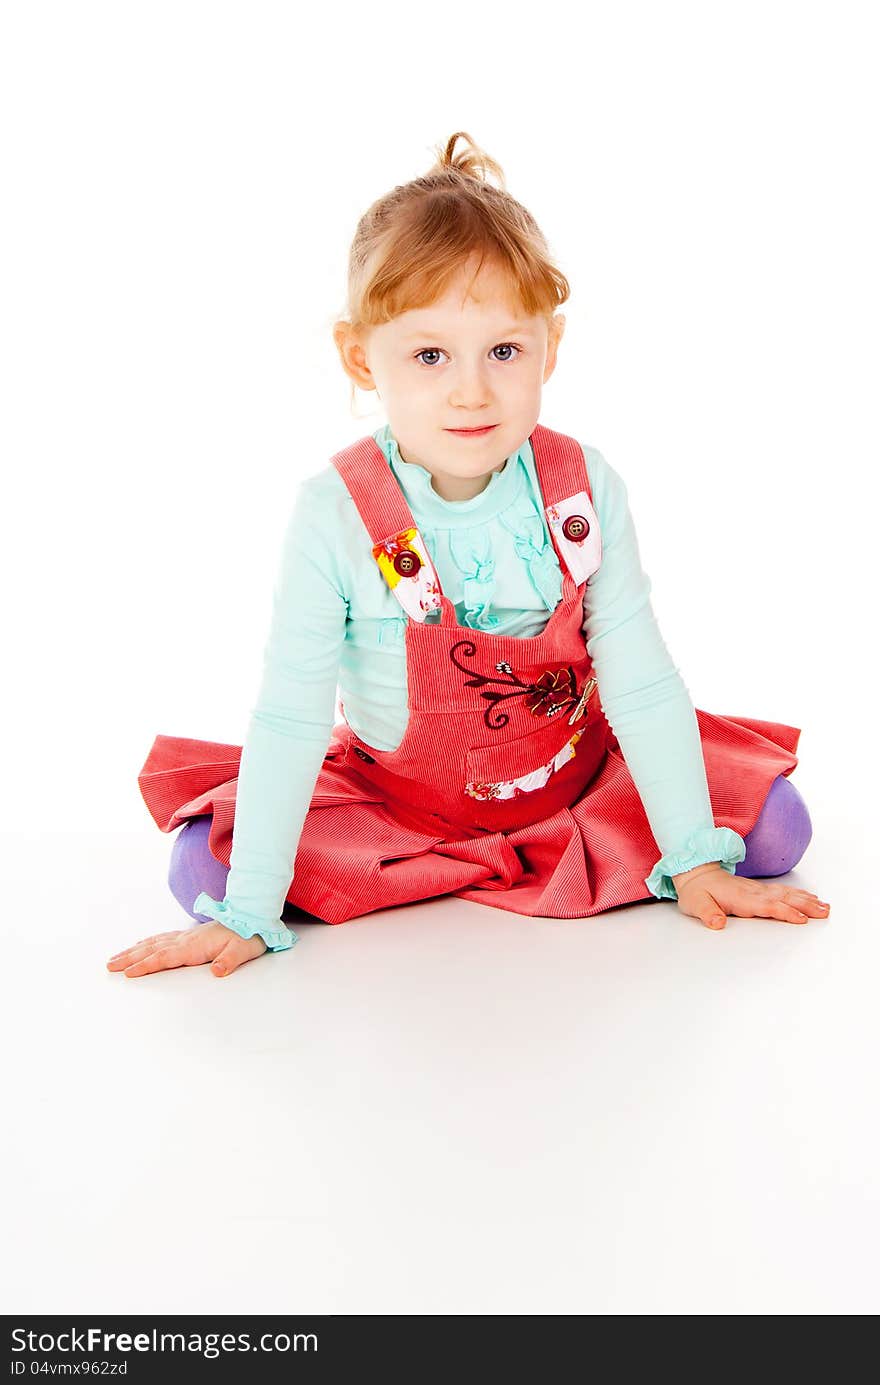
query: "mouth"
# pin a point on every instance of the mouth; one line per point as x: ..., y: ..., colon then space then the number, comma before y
x: 472, y: 432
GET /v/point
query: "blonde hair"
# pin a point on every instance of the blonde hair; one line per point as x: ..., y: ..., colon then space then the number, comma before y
x: 414, y: 240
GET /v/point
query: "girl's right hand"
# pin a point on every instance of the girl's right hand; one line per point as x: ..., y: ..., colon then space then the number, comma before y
x: 188, y: 947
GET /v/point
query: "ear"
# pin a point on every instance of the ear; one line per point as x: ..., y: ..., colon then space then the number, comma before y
x: 352, y: 355
x: 557, y: 327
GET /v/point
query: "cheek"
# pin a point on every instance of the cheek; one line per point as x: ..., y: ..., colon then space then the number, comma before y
x: 422, y: 387
x: 525, y: 389
x: 526, y: 377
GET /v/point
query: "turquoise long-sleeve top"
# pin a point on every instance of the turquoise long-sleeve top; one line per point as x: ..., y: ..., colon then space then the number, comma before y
x: 336, y: 630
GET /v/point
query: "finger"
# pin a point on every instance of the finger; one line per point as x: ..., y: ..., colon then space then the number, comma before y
x: 711, y: 913
x: 786, y: 913
x: 810, y: 904
x: 816, y: 908
x: 144, y: 942
x: 797, y: 897
x: 236, y: 951
x: 162, y: 959
x: 135, y: 954
x: 766, y: 900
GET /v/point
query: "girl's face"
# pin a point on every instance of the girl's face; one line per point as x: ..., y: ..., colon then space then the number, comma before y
x: 462, y: 363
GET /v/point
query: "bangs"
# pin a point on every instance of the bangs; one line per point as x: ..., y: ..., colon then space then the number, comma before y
x: 424, y: 243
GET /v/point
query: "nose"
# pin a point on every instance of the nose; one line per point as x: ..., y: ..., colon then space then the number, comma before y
x: 470, y: 389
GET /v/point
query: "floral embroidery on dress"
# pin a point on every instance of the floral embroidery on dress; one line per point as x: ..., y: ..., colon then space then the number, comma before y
x: 406, y: 565
x: 526, y: 783
x: 553, y: 692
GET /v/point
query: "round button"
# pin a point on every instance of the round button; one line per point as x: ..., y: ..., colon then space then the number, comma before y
x: 407, y: 563
x: 576, y: 528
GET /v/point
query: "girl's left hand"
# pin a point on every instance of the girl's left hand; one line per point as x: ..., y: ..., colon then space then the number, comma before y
x: 709, y: 894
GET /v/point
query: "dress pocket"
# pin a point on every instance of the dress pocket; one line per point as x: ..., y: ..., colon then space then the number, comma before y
x: 522, y: 765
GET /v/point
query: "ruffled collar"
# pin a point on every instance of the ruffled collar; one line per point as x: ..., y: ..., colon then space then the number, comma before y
x: 415, y: 482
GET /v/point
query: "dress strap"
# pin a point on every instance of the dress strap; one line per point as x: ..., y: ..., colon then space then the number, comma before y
x: 568, y: 501
x: 399, y: 550
x: 373, y: 488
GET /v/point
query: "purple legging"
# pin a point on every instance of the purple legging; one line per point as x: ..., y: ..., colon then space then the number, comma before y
x: 775, y: 844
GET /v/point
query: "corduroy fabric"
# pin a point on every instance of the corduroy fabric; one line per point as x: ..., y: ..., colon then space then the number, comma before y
x: 390, y: 827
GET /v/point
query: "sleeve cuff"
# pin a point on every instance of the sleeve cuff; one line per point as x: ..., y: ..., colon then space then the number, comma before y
x: 720, y: 844
x: 276, y: 937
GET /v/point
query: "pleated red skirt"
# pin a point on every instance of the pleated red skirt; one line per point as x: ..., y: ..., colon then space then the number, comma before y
x: 359, y: 852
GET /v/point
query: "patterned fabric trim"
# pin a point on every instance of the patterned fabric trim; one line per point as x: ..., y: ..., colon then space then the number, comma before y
x: 583, y: 554
x: 526, y: 783
x: 413, y: 581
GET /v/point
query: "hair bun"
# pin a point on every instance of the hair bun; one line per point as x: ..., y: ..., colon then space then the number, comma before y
x: 473, y: 163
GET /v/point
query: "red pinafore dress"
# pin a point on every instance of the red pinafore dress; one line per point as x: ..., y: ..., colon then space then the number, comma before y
x: 509, y: 787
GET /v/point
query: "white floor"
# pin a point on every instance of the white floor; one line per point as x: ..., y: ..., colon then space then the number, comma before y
x: 443, y: 1108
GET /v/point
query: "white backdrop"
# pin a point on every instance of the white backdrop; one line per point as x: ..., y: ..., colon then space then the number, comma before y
x: 180, y: 184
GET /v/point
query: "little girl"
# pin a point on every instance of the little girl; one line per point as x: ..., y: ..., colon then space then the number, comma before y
x: 469, y: 581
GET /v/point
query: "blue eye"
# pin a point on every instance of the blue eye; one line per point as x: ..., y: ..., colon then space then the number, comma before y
x: 435, y: 351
